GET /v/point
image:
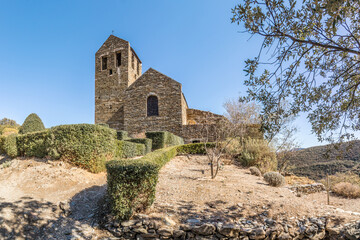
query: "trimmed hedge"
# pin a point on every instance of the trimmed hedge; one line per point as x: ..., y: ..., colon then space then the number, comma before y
x: 163, y: 139
x: 126, y: 149
x: 132, y: 183
x: 10, y: 147
x: 194, y: 148
x: 32, y: 144
x: 84, y: 145
x: 146, y: 141
x: 122, y: 135
x: 32, y: 124
x: 2, y: 140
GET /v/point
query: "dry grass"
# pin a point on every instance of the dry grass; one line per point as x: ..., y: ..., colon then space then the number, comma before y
x: 274, y: 179
x: 346, y: 189
x: 296, y: 180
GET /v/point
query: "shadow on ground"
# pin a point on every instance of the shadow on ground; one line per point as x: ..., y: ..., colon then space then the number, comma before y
x: 30, y: 218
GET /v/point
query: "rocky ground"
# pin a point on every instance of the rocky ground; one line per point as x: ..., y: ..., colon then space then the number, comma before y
x: 41, y: 199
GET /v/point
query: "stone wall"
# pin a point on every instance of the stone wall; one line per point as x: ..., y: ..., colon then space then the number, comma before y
x: 146, y: 227
x: 195, y: 116
x: 169, y: 95
x: 111, y: 83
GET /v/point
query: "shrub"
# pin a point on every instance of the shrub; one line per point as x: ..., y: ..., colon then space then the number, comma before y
x: 10, y: 147
x: 347, y: 190
x: 122, y: 135
x: 146, y: 141
x: 84, y: 145
x: 255, y: 171
x: 8, y: 131
x: 348, y: 177
x: 132, y: 183
x: 274, y: 179
x: 32, y: 144
x: 256, y: 152
x: 32, y: 124
x: 126, y: 149
x: 194, y: 148
x: 103, y: 124
x: 163, y: 139
x: 2, y: 140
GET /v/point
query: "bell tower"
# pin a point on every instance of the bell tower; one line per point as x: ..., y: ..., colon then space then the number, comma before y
x: 117, y: 66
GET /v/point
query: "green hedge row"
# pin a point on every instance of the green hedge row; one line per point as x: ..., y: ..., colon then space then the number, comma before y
x: 2, y: 140
x: 122, y: 135
x: 8, y: 145
x: 32, y: 144
x: 163, y: 139
x: 132, y: 183
x: 194, y: 148
x: 146, y: 141
x: 126, y: 149
x: 84, y: 145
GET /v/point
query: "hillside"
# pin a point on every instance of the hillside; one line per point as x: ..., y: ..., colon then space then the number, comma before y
x: 315, y: 162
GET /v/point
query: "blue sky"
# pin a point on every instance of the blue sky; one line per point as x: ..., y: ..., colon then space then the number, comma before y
x: 47, y: 51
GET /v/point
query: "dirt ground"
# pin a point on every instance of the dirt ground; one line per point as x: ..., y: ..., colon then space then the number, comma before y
x: 185, y: 191
x: 43, y: 199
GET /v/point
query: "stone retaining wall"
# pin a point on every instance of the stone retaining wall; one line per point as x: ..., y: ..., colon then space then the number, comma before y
x: 145, y: 227
x: 308, y: 188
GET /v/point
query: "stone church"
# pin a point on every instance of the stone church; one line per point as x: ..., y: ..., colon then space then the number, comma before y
x: 127, y: 99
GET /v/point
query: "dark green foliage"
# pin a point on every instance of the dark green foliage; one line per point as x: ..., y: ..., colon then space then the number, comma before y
x: 126, y: 149
x: 32, y: 144
x: 163, y: 139
x: 32, y: 124
x: 84, y: 145
x: 146, y: 141
x: 132, y: 183
x: 194, y: 148
x: 122, y: 135
x: 2, y: 141
x: 10, y: 147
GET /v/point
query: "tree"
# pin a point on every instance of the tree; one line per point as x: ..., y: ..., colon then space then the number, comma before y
x: 8, y: 122
x: 32, y: 124
x: 314, y: 62
x: 222, y: 131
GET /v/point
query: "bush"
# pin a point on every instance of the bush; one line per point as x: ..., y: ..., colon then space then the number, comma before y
x: 103, y: 124
x: 84, y: 145
x: 274, y: 179
x: 163, y: 139
x: 348, y: 177
x: 255, y: 171
x: 256, y: 152
x: 126, y: 149
x: 132, y: 183
x: 10, y: 147
x: 146, y: 141
x: 32, y: 144
x: 32, y: 124
x: 347, y: 190
x: 8, y: 131
x: 194, y: 148
x: 122, y: 135
x: 2, y: 140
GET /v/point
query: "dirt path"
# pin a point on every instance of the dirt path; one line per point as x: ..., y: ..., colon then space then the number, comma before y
x: 185, y: 191
x: 42, y: 199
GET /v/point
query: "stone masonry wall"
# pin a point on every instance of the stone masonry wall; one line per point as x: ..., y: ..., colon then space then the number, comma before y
x: 169, y: 96
x: 111, y: 83
x: 195, y: 116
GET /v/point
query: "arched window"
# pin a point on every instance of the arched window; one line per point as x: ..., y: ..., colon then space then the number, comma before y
x: 152, y: 106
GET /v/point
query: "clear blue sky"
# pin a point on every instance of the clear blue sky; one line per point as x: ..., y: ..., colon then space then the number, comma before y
x: 47, y: 53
